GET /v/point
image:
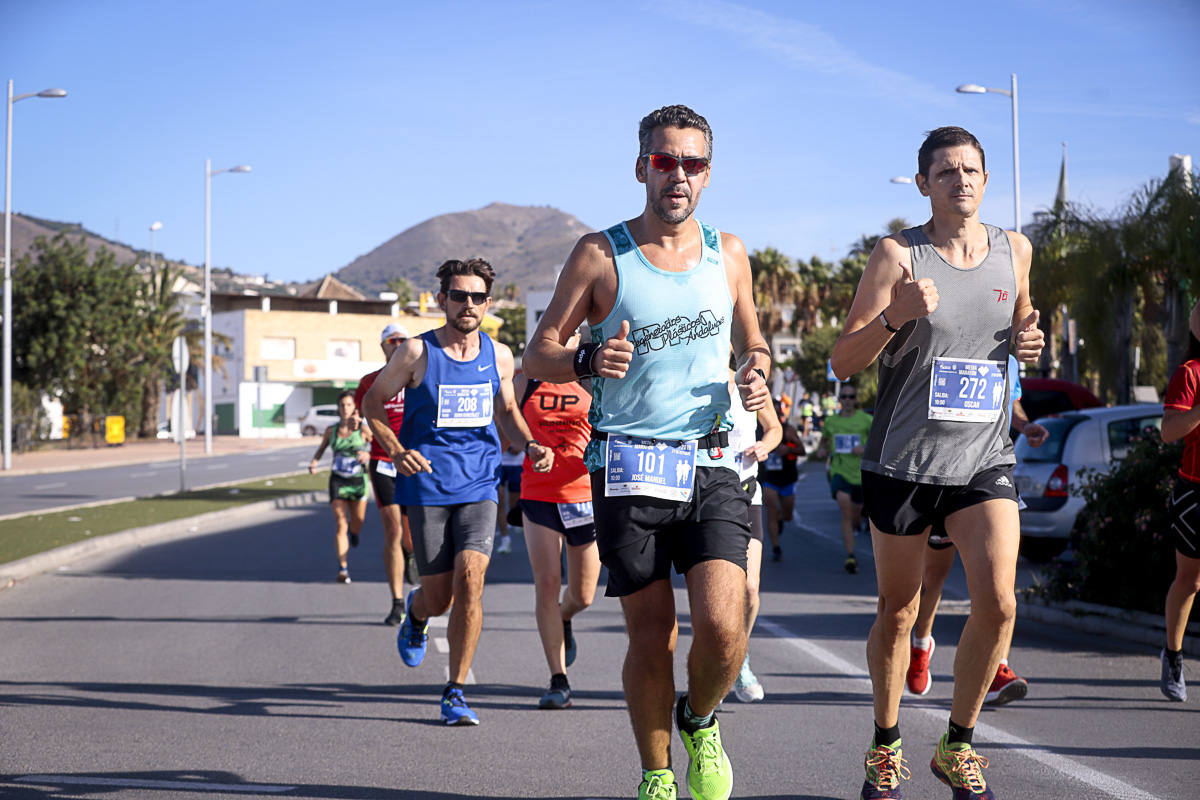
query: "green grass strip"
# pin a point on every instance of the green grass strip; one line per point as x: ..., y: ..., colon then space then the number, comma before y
x: 39, y: 532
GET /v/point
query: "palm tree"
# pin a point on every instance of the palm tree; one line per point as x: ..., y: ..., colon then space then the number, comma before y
x: 776, y: 287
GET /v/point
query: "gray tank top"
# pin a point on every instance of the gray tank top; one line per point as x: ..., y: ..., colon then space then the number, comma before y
x: 941, y: 416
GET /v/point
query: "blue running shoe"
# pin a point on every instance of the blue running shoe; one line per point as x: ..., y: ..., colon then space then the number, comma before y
x: 455, y: 710
x: 410, y: 641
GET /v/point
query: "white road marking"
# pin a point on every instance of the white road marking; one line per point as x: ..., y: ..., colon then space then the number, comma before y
x: 139, y: 783
x: 441, y: 644
x: 57, y: 485
x: 1073, y: 770
x: 149, y: 474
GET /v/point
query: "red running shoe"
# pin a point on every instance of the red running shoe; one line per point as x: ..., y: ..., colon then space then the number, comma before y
x: 1006, y: 687
x: 918, y: 679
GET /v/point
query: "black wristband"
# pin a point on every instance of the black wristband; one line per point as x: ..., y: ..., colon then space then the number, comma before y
x: 583, y: 359
x: 761, y: 374
x: 886, y: 324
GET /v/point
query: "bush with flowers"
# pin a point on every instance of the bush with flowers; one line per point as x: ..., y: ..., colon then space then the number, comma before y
x: 1122, y: 552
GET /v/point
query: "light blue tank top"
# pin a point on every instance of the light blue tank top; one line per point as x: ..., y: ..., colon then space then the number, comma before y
x: 448, y: 419
x: 680, y: 324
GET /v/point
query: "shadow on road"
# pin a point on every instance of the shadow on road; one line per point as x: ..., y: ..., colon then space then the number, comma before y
x: 210, y: 782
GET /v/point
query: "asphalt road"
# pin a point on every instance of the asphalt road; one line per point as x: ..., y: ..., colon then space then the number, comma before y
x: 21, y: 494
x: 232, y: 665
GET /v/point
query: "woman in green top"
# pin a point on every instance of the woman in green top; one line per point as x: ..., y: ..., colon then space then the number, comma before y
x: 350, y: 442
x: 843, y: 438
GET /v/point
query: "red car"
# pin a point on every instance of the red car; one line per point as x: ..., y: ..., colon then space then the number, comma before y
x: 1043, y: 396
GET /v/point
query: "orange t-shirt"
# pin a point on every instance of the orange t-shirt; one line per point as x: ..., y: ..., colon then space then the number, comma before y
x: 557, y: 417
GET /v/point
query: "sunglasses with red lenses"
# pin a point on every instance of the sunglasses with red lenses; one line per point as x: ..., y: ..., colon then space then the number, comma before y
x: 692, y: 165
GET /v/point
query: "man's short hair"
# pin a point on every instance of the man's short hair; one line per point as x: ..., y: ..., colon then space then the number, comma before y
x: 673, y: 117
x: 949, y: 136
x: 472, y: 266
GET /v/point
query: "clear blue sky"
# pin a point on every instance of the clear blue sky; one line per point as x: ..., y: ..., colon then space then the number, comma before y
x: 362, y: 119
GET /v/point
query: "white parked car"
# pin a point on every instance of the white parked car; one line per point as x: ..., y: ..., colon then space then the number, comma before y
x: 1048, y: 476
x: 318, y: 419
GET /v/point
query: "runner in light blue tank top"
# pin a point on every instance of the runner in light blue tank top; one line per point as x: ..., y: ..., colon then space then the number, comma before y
x: 670, y: 299
x: 680, y: 325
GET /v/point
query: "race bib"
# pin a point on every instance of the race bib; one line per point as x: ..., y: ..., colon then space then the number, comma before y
x: 845, y: 442
x: 774, y: 462
x: 966, y: 389
x: 575, y: 515
x: 464, y: 406
x: 648, y: 468
x: 385, y: 468
x: 346, y: 466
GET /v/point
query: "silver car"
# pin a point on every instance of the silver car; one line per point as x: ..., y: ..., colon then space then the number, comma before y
x: 318, y: 419
x: 1048, y: 476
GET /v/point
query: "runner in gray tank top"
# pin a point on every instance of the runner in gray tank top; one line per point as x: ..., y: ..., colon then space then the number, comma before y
x: 941, y: 306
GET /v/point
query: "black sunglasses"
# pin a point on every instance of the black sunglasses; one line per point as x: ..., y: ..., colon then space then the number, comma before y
x: 459, y: 296
x: 692, y: 165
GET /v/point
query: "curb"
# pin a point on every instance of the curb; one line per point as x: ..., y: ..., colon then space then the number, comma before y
x: 1131, y: 626
x: 182, y: 528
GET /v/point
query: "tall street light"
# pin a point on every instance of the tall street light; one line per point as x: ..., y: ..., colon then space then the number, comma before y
x: 8, y: 426
x: 974, y: 88
x: 208, y: 174
x: 154, y: 226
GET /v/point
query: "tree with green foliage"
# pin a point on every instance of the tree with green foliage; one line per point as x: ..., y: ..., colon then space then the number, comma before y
x: 512, y: 332
x: 403, y: 289
x: 76, y: 328
x: 776, y: 288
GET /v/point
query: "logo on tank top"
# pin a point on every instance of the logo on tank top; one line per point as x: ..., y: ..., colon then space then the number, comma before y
x: 1001, y: 295
x: 675, y: 331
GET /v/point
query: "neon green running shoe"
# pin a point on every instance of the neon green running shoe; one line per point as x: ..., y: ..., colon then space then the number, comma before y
x: 710, y: 775
x: 961, y: 768
x: 658, y: 784
x: 885, y: 768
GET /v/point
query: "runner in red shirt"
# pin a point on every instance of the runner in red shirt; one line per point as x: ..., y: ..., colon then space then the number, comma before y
x: 557, y: 509
x: 397, y: 541
x: 1181, y: 420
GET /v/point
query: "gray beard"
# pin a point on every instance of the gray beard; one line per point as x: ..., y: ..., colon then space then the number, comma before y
x: 673, y: 217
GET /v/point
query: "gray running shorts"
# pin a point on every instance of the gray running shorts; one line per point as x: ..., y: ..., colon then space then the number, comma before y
x: 439, y: 533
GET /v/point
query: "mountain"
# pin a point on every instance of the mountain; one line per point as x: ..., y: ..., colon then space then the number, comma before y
x: 526, y: 245
x: 25, y: 229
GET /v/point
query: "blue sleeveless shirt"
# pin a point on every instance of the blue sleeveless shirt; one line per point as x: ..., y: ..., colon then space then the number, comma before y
x: 448, y: 419
x: 680, y: 324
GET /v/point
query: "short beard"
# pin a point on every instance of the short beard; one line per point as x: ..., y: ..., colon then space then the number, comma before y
x: 465, y: 324
x: 673, y: 217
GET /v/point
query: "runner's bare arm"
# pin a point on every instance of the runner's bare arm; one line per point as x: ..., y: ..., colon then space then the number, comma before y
x: 1028, y: 338
x: 887, y: 286
x: 316, y: 459
x: 508, y: 416
x: 772, y: 432
x: 1177, y: 423
x: 404, y: 369
x: 586, y: 290
x: 749, y: 347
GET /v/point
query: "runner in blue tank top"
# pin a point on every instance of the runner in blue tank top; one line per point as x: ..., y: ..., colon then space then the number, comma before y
x: 458, y: 385
x: 941, y: 306
x: 666, y: 297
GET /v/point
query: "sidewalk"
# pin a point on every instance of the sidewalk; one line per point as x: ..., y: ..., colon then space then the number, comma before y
x: 141, y: 451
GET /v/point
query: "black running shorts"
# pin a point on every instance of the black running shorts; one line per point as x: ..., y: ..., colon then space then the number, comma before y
x: 1185, y: 516
x: 905, y: 508
x: 640, y: 538
x: 546, y: 514
x: 384, y: 486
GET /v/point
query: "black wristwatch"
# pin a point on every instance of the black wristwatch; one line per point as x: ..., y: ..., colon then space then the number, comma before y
x: 761, y: 374
x: 531, y: 441
x: 886, y: 324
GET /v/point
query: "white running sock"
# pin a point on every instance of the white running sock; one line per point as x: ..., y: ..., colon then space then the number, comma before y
x: 922, y: 644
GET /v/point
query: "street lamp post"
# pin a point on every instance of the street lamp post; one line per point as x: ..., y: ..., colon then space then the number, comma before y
x: 208, y: 174
x: 974, y: 88
x: 8, y: 426
x: 154, y: 226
